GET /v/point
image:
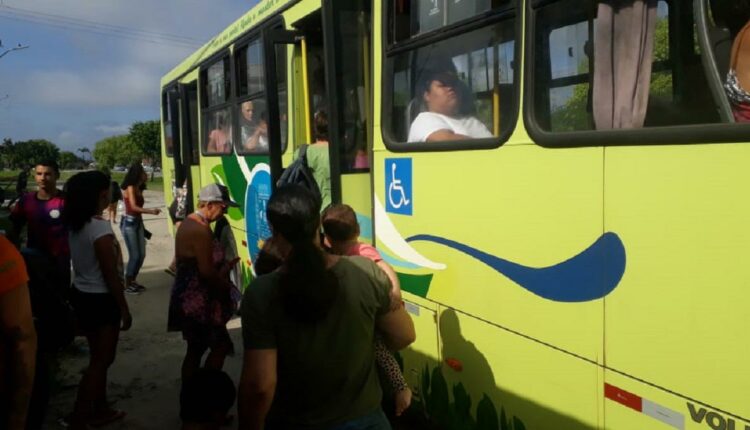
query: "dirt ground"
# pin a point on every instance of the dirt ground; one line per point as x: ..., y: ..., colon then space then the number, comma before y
x: 144, y: 381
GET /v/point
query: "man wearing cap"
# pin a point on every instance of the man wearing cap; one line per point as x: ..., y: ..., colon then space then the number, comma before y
x: 202, y: 285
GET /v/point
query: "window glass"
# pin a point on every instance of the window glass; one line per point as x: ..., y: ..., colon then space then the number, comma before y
x: 192, y: 106
x: 409, y: 18
x: 217, y: 82
x: 170, y: 113
x: 218, y: 135
x: 587, y: 77
x: 282, y: 94
x: 352, y: 23
x: 167, y: 124
x: 455, y: 89
x: 250, y: 68
x: 253, y: 121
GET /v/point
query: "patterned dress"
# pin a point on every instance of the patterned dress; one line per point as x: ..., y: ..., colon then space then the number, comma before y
x: 199, y: 310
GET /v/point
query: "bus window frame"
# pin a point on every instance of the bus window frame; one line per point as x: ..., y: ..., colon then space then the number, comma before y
x: 174, y: 115
x: 241, y: 45
x: 486, y: 19
x: 721, y: 132
x: 205, y: 110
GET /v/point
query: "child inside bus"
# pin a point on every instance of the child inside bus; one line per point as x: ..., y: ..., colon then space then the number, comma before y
x: 341, y: 231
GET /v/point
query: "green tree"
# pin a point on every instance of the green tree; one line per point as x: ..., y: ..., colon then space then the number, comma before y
x: 115, y: 150
x: 28, y: 153
x: 145, y: 136
x: 69, y: 160
x: 6, y: 153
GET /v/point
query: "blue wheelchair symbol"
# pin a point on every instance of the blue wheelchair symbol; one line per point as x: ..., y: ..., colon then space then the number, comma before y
x: 398, y: 185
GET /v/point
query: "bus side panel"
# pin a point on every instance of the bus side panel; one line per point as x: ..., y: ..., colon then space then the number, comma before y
x: 525, y: 384
x: 487, y: 221
x: 679, y: 320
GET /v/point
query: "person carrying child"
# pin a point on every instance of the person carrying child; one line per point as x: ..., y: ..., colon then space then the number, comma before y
x: 341, y: 231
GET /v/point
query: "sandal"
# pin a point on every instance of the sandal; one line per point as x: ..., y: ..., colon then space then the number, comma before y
x: 108, y: 417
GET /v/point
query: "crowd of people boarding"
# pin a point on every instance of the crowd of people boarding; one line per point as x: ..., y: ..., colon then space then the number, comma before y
x: 319, y: 319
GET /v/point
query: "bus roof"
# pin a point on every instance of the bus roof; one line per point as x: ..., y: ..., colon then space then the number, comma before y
x: 261, y: 11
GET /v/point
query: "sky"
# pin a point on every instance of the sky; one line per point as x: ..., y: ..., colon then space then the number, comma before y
x: 93, y: 67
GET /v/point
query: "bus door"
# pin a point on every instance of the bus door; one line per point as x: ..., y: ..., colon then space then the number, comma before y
x: 190, y: 154
x: 347, y: 25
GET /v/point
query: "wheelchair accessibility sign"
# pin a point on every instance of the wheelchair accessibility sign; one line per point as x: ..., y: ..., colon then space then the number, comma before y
x: 398, y: 186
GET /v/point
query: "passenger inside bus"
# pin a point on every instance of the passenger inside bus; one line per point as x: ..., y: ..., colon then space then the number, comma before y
x: 318, y: 158
x: 254, y: 127
x: 219, y: 141
x: 447, y: 108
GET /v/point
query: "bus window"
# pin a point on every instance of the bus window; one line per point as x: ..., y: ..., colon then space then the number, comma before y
x: 252, y: 105
x: 282, y: 94
x: 170, y: 112
x: 253, y: 126
x: 589, y: 75
x: 351, y: 39
x: 217, y: 138
x: 455, y: 89
x: 410, y: 18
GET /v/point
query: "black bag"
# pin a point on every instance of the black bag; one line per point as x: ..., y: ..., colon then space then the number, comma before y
x: 299, y: 173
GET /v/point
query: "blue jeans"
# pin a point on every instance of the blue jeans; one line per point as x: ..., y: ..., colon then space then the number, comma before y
x: 373, y: 421
x: 132, y: 231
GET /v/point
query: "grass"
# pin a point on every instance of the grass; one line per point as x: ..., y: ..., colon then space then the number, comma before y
x: 8, y: 179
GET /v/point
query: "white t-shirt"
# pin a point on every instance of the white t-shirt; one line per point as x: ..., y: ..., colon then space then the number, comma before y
x: 87, y: 273
x: 427, y: 123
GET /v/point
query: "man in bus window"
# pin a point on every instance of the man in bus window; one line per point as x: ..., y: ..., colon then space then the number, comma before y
x: 254, y: 130
x: 448, y: 109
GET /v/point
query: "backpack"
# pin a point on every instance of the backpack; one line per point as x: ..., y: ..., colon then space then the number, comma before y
x: 299, y: 173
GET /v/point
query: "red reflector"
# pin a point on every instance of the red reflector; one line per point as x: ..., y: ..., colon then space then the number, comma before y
x: 621, y: 396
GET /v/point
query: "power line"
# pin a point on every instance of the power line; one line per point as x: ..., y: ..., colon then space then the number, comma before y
x: 69, y: 23
x: 96, y: 24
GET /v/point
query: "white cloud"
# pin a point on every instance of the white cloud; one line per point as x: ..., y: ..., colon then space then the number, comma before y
x: 90, y: 85
x: 113, y: 129
x: 126, y: 86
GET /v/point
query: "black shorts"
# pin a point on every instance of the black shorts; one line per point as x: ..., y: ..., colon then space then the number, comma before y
x: 95, y: 310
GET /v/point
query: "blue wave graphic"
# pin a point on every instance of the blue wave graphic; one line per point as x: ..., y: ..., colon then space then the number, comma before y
x: 590, y: 275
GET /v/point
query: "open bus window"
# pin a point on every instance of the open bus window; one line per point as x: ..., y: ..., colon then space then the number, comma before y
x: 590, y: 75
x: 455, y: 89
x: 409, y: 18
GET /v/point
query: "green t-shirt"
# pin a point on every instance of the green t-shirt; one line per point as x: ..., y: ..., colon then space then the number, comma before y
x: 325, y: 371
x: 320, y: 164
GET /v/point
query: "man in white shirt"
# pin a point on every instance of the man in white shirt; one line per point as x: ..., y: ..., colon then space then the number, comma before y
x: 448, y: 114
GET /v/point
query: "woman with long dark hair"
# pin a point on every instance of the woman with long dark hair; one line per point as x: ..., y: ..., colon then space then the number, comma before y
x: 132, y: 224
x: 97, y: 297
x: 309, y: 327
